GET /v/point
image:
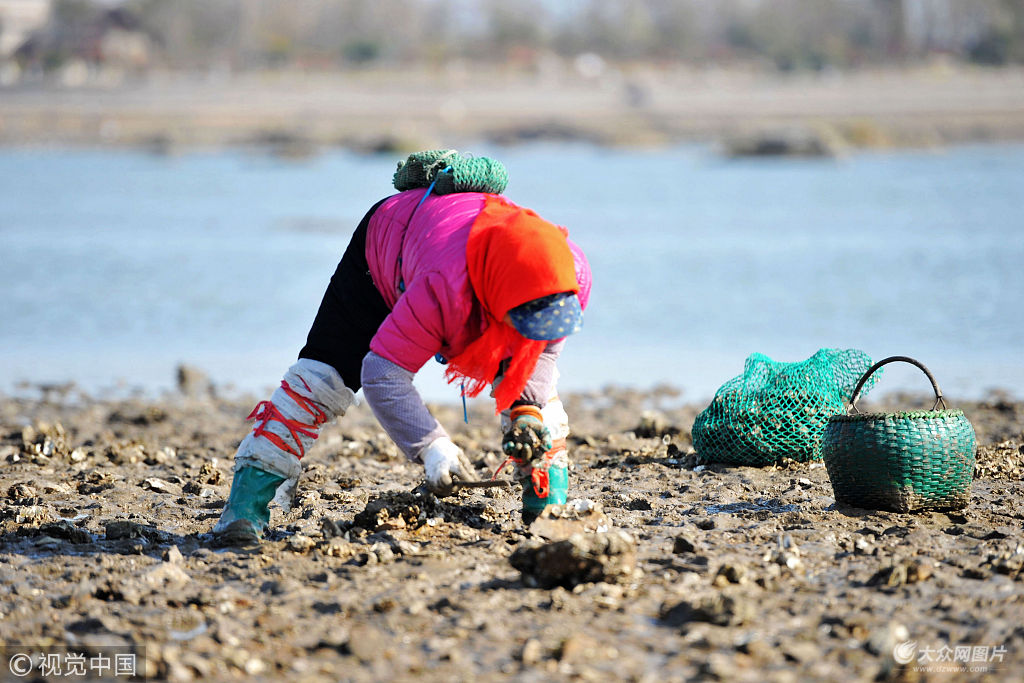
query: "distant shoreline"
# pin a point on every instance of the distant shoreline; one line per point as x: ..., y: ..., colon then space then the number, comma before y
x: 295, y: 113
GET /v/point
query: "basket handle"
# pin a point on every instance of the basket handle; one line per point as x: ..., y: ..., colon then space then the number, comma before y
x: 860, y: 385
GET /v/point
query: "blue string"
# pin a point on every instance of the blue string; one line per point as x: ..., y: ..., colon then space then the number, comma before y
x: 465, y: 412
x: 440, y: 359
x: 430, y: 188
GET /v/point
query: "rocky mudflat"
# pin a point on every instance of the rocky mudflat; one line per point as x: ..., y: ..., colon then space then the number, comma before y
x: 660, y: 570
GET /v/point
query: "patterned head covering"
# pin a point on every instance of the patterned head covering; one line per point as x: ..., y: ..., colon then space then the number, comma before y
x: 549, y: 317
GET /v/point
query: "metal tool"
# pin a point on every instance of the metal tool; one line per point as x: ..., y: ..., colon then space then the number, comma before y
x: 486, y: 484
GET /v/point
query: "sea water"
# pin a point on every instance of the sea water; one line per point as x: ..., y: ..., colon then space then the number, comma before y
x: 119, y: 265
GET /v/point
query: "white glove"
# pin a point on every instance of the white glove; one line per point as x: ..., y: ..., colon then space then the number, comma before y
x: 443, y: 461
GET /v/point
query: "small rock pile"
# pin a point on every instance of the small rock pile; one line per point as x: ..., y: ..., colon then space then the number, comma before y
x: 1000, y: 461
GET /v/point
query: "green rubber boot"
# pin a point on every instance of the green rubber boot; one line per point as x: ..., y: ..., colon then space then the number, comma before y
x: 245, y: 515
x: 557, y: 489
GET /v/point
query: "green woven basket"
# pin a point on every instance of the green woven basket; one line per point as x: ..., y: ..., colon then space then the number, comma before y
x: 904, y: 461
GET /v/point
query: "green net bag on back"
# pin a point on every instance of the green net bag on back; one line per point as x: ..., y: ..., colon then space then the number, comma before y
x: 777, y: 410
x: 450, y: 172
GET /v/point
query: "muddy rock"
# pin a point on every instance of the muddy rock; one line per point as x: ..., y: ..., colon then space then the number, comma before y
x: 557, y: 522
x: 138, y: 415
x: 63, y: 530
x: 193, y: 488
x: 126, y: 453
x: 165, y: 575
x: 376, y: 553
x: 119, y: 529
x: 720, y: 608
x: 638, y: 504
x: 900, y: 573
x: 45, y: 543
x: 654, y: 425
x: 301, y: 543
x: 19, y: 491
x: 706, y: 523
x: 282, y: 586
x: 684, y: 543
x: 339, y: 547
x: 209, y: 474
x: 173, y: 555
x: 31, y: 514
x: 532, y: 652
x: 94, y: 482
x: 400, y: 510
x: 729, y: 573
x: 581, y: 558
x: 118, y: 589
x: 45, y: 440
x: 158, y: 485
x: 786, y: 554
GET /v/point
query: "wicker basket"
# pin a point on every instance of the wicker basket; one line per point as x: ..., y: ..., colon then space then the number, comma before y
x: 908, y: 461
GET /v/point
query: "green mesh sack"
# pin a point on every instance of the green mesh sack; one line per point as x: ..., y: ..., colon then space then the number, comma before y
x: 777, y: 410
x: 452, y: 172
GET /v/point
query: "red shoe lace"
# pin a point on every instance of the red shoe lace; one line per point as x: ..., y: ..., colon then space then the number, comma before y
x: 538, y: 473
x: 266, y: 412
x: 541, y: 485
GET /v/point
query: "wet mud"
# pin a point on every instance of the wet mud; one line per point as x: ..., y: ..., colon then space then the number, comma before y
x: 669, y: 571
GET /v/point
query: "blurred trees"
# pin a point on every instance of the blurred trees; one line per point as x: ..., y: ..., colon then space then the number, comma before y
x: 781, y: 34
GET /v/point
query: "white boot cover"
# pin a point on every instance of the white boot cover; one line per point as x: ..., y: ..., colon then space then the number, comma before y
x: 316, y: 381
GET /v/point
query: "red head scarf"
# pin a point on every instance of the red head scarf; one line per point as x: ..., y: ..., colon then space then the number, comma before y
x: 513, y: 256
